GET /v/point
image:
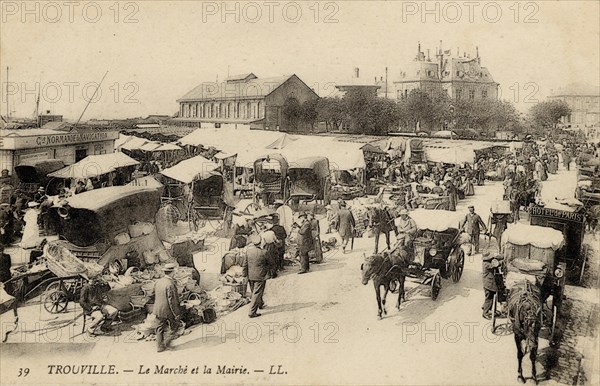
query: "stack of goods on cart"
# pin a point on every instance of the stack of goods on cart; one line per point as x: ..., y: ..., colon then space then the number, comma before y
x: 231, y: 294
x: 359, y: 209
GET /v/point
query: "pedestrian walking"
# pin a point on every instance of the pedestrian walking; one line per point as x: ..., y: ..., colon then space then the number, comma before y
x: 472, y: 225
x: 316, y: 234
x: 281, y: 235
x: 346, y: 224
x: 166, y: 308
x: 256, y: 266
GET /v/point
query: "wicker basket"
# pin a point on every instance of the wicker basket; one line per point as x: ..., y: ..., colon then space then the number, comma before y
x: 139, y: 300
x: 237, y: 287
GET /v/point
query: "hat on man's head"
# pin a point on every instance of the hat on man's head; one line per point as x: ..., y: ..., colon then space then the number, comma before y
x: 302, y: 214
x: 328, y: 207
x: 33, y: 204
x: 169, y: 267
x: 343, y: 204
x: 41, y: 189
x: 470, y: 207
x: 403, y: 212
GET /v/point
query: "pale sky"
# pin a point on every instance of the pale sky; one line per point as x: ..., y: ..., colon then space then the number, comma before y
x: 168, y: 48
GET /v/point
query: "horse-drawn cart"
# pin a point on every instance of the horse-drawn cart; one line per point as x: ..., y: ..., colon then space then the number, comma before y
x: 437, y: 251
x: 530, y: 258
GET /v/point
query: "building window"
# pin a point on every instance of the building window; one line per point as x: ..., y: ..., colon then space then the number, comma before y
x: 237, y: 110
x: 484, y: 94
x: 472, y: 94
x: 247, y: 110
x: 458, y: 93
x: 259, y: 113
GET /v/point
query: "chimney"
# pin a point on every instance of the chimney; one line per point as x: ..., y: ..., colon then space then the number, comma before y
x: 457, y: 52
x: 429, y: 60
x: 381, y: 78
x: 477, y: 53
x: 356, y: 72
x: 48, y: 112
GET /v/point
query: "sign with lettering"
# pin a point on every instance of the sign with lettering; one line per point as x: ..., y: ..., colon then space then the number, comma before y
x: 64, y: 139
x: 557, y: 213
x: 58, y: 139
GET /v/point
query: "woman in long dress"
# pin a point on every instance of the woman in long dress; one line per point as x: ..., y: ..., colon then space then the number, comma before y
x: 31, y: 232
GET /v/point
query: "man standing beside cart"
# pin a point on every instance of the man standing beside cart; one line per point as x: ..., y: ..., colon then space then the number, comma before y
x: 491, y: 286
x: 472, y: 225
x: 305, y: 242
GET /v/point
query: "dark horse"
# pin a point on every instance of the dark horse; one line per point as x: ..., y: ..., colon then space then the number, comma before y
x: 524, y: 311
x: 383, y: 269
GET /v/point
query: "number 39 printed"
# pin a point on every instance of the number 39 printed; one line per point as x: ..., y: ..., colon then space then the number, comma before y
x: 23, y: 372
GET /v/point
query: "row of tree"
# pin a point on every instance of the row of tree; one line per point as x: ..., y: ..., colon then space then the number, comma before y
x: 363, y: 112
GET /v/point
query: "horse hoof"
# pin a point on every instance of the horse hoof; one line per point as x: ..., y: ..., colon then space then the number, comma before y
x: 521, y: 379
x: 535, y: 380
x: 385, y: 312
x: 379, y: 317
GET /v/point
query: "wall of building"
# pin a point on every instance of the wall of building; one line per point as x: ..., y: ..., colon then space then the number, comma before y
x: 292, y: 88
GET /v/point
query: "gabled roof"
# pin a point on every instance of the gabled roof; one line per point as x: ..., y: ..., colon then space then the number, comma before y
x: 251, y: 88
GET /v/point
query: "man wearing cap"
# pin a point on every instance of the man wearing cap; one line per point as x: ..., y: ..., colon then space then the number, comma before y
x: 490, y: 286
x: 407, y: 228
x: 346, y: 224
x: 305, y: 242
x: 40, y: 195
x: 472, y: 225
x: 256, y: 267
x: 166, y: 307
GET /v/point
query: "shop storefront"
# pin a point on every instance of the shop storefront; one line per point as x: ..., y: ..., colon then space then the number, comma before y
x: 27, y: 146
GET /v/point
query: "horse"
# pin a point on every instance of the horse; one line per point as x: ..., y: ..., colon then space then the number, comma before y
x: 524, y: 311
x: 382, y: 269
x: 592, y: 216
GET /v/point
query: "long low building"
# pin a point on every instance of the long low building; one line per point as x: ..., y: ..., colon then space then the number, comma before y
x: 29, y: 145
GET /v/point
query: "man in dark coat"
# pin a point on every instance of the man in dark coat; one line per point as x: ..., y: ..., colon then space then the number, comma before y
x: 93, y: 301
x: 381, y: 222
x: 490, y: 286
x: 166, y: 307
x: 472, y: 225
x: 316, y: 234
x: 256, y: 266
x: 5, y: 263
x: 346, y: 224
x: 281, y: 235
x: 305, y: 242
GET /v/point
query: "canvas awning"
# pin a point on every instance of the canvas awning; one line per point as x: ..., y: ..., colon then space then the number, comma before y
x: 436, y: 220
x: 538, y: 236
x: 167, y: 147
x: 95, y: 165
x: 191, y: 169
x: 134, y: 143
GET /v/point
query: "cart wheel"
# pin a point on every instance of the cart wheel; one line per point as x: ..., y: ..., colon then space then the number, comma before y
x: 56, y: 302
x: 327, y: 192
x: 553, y: 328
x: 436, y: 285
x: 583, y: 266
x: 54, y: 286
x: 494, y: 308
x: 457, y: 265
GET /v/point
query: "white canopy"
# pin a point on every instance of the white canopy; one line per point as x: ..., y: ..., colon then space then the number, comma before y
x: 134, y: 143
x: 121, y: 140
x: 341, y: 155
x: 191, y: 169
x: 436, y: 220
x: 538, y: 236
x: 95, y: 165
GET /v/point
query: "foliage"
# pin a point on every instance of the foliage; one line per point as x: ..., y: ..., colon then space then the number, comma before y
x: 292, y: 112
x: 547, y: 114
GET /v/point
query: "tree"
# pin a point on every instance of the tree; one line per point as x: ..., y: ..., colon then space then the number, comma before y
x: 370, y: 114
x: 292, y: 112
x: 428, y: 109
x: 308, y: 112
x: 548, y: 114
x: 331, y: 111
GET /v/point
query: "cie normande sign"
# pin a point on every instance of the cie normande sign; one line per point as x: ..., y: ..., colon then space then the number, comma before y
x: 56, y: 139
